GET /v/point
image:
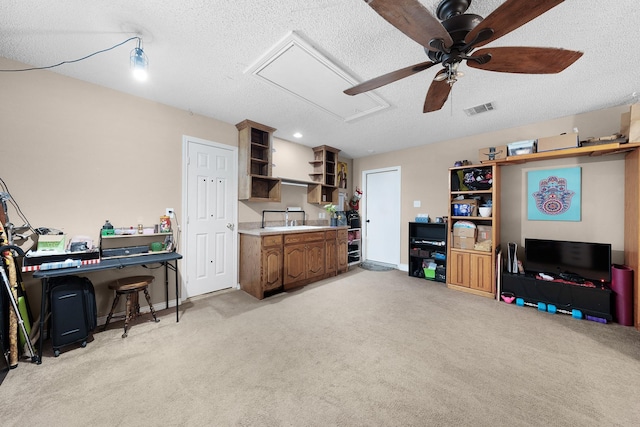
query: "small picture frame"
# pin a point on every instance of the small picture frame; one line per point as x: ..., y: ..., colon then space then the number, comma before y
x: 342, y: 175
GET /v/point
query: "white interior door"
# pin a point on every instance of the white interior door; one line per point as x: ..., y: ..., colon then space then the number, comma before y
x: 381, y: 195
x: 210, y: 251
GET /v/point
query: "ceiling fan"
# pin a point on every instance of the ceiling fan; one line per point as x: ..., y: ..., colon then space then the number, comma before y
x: 458, y: 35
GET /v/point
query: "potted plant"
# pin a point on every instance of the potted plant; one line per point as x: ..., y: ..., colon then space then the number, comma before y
x: 331, y: 208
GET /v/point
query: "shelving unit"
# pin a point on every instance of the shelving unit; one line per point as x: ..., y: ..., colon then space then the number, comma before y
x: 354, y: 253
x: 472, y: 268
x: 631, y: 203
x: 324, y: 176
x: 255, y: 183
x: 428, y: 243
x: 127, y: 245
x: 591, y: 151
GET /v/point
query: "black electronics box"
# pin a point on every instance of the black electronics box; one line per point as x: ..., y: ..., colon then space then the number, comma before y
x: 353, y: 219
x: 31, y: 260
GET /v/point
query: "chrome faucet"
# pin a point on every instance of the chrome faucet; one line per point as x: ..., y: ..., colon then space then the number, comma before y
x: 286, y: 217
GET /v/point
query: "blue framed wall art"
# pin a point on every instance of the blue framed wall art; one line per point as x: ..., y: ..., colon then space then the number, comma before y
x: 554, y: 194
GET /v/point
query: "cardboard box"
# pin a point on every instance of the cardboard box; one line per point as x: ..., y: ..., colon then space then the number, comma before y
x: 51, y: 242
x: 634, y: 123
x: 463, y: 242
x: 625, y: 124
x: 484, y: 246
x: 464, y: 232
x: 558, y: 142
x: 484, y: 233
x: 492, y: 153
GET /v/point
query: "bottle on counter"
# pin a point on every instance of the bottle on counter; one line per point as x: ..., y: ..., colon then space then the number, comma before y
x: 107, y: 229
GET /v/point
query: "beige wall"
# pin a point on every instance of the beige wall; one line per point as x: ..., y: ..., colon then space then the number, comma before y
x: 291, y: 163
x: 424, y: 178
x: 75, y: 154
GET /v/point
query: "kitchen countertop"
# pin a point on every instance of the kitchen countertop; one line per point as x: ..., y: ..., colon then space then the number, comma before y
x: 288, y: 230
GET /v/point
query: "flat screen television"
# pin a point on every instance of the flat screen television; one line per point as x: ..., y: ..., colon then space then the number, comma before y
x: 591, y: 261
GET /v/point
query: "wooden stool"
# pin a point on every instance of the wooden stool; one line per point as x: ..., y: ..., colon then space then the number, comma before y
x: 130, y: 286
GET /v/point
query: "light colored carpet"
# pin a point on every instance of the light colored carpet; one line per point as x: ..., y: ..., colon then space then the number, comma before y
x: 363, y: 349
x: 376, y: 266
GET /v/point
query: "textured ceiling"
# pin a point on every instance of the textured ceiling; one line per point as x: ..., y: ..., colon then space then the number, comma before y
x: 199, y: 51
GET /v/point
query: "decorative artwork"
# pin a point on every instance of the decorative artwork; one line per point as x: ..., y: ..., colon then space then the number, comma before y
x: 342, y: 175
x: 554, y: 194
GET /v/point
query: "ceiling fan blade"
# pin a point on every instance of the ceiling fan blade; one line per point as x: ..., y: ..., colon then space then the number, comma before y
x: 526, y: 60
x: 509, y: 16
x: 413, y: 19
x: 388, y: 78
x: 437, y: 94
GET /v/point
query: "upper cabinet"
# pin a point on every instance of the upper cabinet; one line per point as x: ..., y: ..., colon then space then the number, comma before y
x: 255, y: 146
x: 324, y: 176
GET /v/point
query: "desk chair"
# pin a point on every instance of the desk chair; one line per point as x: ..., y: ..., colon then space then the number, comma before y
x: 131, y: 286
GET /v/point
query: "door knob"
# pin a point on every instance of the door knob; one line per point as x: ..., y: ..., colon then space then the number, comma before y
x: 230, y: 226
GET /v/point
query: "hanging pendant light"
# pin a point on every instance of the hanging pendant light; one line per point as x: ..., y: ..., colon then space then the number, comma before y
x: 139, y: 62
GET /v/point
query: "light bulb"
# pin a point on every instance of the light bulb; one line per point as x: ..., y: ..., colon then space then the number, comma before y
x: 139, y: 64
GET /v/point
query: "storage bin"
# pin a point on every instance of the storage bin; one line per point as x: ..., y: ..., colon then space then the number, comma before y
x: 429, y: 273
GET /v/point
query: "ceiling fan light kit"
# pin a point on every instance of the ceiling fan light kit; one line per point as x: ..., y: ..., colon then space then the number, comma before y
x: 454, y: 37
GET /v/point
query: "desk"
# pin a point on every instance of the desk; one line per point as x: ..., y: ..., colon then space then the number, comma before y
x: 108, y: 264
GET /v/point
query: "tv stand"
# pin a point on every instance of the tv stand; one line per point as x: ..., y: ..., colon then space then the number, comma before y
x: 572, y: 277
x: 595, y: 302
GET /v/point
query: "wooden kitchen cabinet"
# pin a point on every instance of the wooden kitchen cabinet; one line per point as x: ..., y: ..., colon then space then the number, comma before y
x: 271, y: 268
x: 258, y: 278
x: 324, y: 176
x: 336, y: 252
x: 331, y: 251
x: 342, y: 249
x: 271, y: 263
x: 304, y: 258
x: 255, y: 146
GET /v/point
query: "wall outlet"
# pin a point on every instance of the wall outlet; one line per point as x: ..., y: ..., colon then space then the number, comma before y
x: 321, y: 215
x: 169, y: 212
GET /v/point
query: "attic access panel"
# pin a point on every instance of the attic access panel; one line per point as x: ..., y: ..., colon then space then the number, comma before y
x: 295, y: 67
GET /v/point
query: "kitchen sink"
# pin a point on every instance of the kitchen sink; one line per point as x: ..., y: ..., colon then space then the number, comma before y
x: 295, y: 228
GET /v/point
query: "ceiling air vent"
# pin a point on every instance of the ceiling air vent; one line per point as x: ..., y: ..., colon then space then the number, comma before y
x: 482, y: 108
